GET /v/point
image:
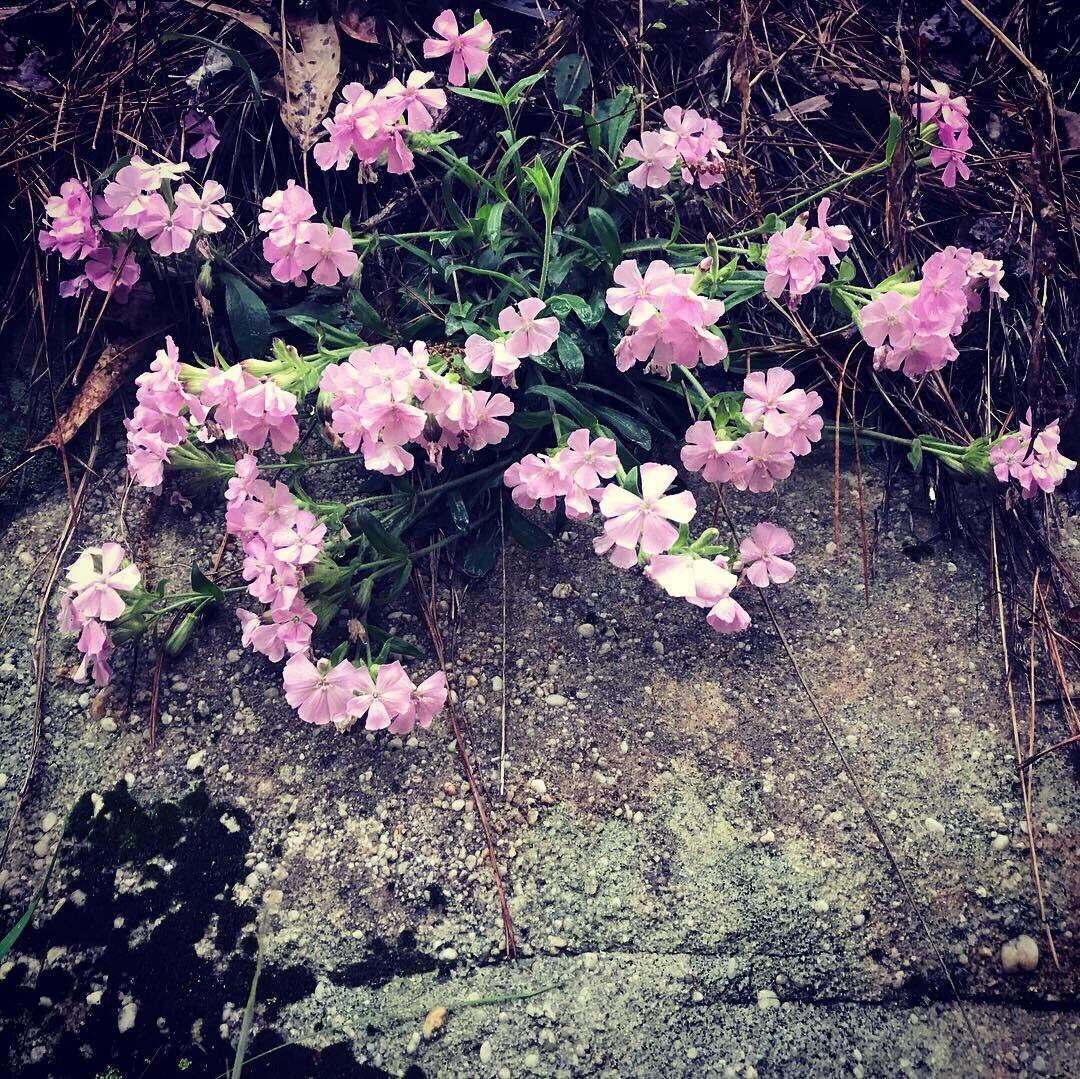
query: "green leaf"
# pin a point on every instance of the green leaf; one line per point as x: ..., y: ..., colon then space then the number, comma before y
x: 572, y: 79
x: 915, y: 454
x: 606, y: 232
x: 895, y: 126
x: 483, y: 551
x: 565, y: 302
x: 377, y: 535
x: 389, y: 644
x: 366, y: 315
x: 570, y: 356
x: 522, y: 85
x: 459, y: 513
x: 625, y: 425
x: 525, y: 533
x: 203, y: 585
x: 12, y: 936
x: 529, y: 421
x: 846, y: 271
x: 572, y: 406
x: 249, y: 319
x: 486, y: 96
x: 614, y: 116
x: 540, y: 180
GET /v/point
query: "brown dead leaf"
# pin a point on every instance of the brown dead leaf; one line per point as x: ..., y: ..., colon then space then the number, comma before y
x: 311, y: 77
x: 104, y: 378
x: 435, y: 1021
x: 255, y: 23
x: 357, y: 25
x: 818, y: 103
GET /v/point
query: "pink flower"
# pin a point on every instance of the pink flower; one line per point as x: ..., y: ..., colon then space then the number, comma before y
x: 728, y: 616
x: 487, y: 429
x: 887, y: 318
x: 655, y: 155
x: 535, y: 478
x: 644, y: 520
x: 768, y: 397
x: 480, y: 354
x: 204, y: 133
x: 760, y: 555
x: 585, y: 463
x: 806, y: 425
x: 700, y: 581
x: 764, y: 459
x: 288, y: 631
x: 954, y: 110
x: 328, y: 254
x: 321, y: 693
x: 617, y: 555
x: 163, y: 227
x: 300, y: 542
x: 205, y: 211
x: 792, y: 262
x: 69, y: 216
x: 529, y: 335
x: 385, y: 698
x: 468, y: 50
x: 428, y: 700
x: 953, y: 148
x: 114, y: 270
x: 96, y: 646
x: 284, y: 210
x: 419, y: 102
x: 97, y: 577
x: 830, y: 239
x: 708, y: 453
x: 640, y: 297
x: 265, y: 410
x: 242, y: 485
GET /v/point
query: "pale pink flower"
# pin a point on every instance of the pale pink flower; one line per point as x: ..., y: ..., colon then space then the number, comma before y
x: 830, y: 239
x: 768, y: 397
x: 203, y: 211
x: 639, y: 296
x: 585, y: 463
x: 529, y: 335
x: 633, y: 520
x: 97, y: 577
x: 480, y: 354
x: 954, y: 110
x: 428, y: 699
x: 284, y: 210
x: 320, y: 693
x: 617, y: 555
x: 419, y: 102
x: 164, y: 228
x: 887, y: 318
x: 487, y: 428
x: 760, y: 555
x: 700, y: 581
x: 708, y: 453
x: 806, y: 424
x: 764, y: 459
x: 655, y: 155
x: 384, y: 698
x: 728, y: 616
x: 301, y: 542
x: 468, y: 51
x: 96, y: 646
x: 288, y: 630
x: 792, y: 262
x: 327, y: 253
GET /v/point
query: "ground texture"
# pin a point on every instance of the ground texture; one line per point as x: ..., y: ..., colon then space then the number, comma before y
x: 695, y: 885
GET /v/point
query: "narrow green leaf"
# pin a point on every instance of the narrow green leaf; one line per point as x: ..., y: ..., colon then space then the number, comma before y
x: 570, y: 356
x: 573, y: 407
x: 606, y: 232
x: 377, y: 535
x: 895, y: 126
x: 203, y: 585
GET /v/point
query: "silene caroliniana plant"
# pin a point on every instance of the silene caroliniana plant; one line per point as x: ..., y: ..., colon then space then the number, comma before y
x: 540, y: 360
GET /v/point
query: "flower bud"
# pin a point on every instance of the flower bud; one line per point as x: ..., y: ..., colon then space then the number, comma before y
x: 179, y: 638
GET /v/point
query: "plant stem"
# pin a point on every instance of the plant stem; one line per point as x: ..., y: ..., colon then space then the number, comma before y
x: 930, y: 444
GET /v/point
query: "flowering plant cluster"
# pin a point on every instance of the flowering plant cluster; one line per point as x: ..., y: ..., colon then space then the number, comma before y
x: 525, y: 362
x: 688, y: 142
x: 137, y: 203
x: 949, y: 116
x: 911, y: 325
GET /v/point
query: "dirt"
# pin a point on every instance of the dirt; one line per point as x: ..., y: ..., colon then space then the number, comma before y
x: 694, y: 882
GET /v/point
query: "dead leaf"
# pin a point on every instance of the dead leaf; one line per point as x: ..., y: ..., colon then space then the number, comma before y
x: 255, y: 23
x: 818, y: 103
x: 358, y: 26
x: 435, y: 1021
x: 311, y: 77
x: 102, y: 382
